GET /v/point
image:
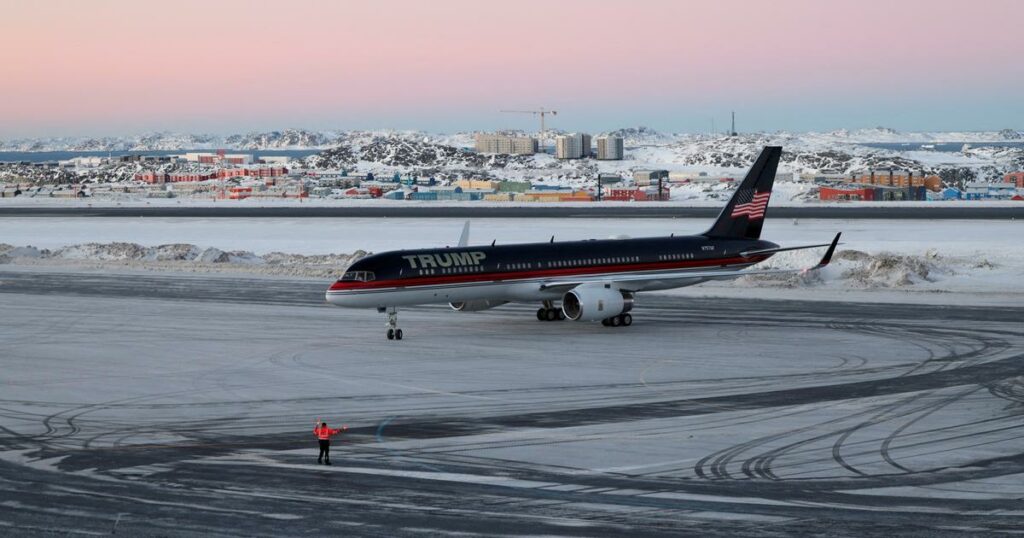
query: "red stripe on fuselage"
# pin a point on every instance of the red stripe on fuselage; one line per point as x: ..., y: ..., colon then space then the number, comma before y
x: 517, y: 275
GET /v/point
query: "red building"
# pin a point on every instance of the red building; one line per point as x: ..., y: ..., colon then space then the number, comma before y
x: 1017, y: 178
x: 848, y: 193
x: 181, y: 177
x: 624, y: 195
x: 239, y: 193
x: 153, y: 178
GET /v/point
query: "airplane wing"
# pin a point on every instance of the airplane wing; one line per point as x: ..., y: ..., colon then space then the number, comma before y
x: 750, y: 253
x: 713, y: 274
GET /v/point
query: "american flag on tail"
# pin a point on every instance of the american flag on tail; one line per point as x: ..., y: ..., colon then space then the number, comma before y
x: 750, y: 203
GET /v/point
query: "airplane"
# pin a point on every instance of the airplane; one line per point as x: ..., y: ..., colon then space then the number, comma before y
x: 591, y: 280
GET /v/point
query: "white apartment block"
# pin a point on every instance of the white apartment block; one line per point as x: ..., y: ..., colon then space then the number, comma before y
x: 572, y: 146
x: 515, y: 145
x: 609, y: 148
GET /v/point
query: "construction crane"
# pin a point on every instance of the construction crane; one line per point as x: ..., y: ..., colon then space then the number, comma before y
x: 542, y: 112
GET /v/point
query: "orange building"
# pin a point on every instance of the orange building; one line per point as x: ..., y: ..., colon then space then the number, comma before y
x: 553, y: 196
x: 899, y: 178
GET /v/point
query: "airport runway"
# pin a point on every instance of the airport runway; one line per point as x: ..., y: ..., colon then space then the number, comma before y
x: 481, y: 210
x: 159, y: 404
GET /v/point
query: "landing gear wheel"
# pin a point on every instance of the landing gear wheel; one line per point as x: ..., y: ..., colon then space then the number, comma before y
x: 561, y: 314
x: 541, y: 314
x: 606, y: 322
x: 394, y: 333
x: 551, y: 314
x: 615, y: 321
x: 627, y: 320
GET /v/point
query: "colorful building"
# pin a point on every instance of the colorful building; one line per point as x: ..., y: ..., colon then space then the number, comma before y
x: 872, y: 193
x: 899, y: 178
x: 1017, y: 178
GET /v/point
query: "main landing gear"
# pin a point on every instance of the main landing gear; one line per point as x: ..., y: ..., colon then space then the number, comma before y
x: 622, y: 320
x: 394, y: 333
x: 548, y: 312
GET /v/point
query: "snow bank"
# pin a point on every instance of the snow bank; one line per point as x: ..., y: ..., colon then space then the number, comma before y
x: 179, y: 257
x: 855, y: 269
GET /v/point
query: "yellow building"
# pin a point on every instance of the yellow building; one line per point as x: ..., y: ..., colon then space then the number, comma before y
x: 553, y: 196
x: 478, y: 184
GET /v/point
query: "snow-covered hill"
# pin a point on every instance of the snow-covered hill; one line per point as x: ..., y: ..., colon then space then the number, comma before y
x: 309, y: 139
x: 447, y: 157
x: 972, y: 156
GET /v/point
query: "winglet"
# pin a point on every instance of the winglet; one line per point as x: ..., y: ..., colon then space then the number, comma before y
x: 464, y: 238
x: 831, y: 250
x: 828, y: 254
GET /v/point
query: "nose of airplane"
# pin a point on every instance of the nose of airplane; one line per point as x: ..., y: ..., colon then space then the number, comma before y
x: 336, y: 294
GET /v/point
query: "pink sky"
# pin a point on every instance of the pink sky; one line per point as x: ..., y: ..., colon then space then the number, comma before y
x: 116, y: 66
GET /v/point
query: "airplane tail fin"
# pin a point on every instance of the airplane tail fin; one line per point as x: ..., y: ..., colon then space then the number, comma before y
x: 744, y: 215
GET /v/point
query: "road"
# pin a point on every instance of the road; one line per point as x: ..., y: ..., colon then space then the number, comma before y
x: 183, y: 405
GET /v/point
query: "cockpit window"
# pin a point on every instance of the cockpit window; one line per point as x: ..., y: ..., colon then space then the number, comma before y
x: 357, y: 276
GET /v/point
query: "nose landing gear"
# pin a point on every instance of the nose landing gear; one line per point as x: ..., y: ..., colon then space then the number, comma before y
x: 394, y: 333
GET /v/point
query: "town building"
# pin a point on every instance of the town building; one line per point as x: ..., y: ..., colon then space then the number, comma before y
x: 478, y: 184
x: 514, y: 145
x: 872, y: 193
x: 644, y: 178
x: 898, y: 178
x: 587, y: 145
x: 989, y: 191
x: 206, y: 157
x: 572, y: 146
x: 635, y: 195
x: 610, y: 148
x: 159, y: 178
x: 553, y: 196
x: 1016, y: 178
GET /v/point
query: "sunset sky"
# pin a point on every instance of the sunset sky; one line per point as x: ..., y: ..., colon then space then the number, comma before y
x: 107, y: 67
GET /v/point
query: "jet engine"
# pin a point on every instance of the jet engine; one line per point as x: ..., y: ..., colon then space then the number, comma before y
x: 595, y: 302
x: 475, y: 306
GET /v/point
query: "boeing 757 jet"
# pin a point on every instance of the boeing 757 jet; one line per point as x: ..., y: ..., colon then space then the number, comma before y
x: 593, y: 280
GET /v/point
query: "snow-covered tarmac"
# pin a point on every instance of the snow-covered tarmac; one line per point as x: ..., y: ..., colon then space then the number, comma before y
x: 141, y: 396
x: 182, y: 404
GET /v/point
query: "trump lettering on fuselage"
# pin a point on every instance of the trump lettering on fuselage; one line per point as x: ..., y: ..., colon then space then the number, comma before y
x: 444, y: 259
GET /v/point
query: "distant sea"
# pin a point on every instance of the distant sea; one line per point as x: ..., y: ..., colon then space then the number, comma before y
x: 947, y: 147
x: 44, y: 156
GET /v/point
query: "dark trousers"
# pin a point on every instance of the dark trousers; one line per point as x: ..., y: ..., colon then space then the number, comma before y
x: 325, y: 449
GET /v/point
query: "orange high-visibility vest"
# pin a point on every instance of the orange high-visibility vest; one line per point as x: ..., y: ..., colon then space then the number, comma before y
x: 324, y: 434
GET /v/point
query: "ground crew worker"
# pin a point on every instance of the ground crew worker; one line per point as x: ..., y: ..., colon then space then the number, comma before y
x: 323, y: 435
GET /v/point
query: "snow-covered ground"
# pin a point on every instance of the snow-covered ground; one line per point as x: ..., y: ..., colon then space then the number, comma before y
x: 786, y: 194
x: 891, y: 260
x: 956, y: 157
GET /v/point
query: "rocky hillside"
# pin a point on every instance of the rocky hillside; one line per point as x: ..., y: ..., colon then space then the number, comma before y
x: 973, y: 156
